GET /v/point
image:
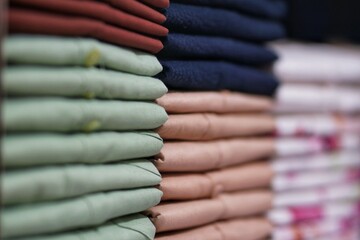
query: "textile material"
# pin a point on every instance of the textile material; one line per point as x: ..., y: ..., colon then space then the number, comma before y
x: 208, y: 126
x: 339, y: 160
x: 61, y: 51
x: 205, y: 185
x: 208, y: 75
x: 88, y: 210
x: 300, y: 63
x: 295, y: 98
x: 338, y: 209
x: 220, y: 22
x: 186, y: 214
x: 349, y: 191
x: 136, y: 227
x: 204, y: 156
x: 37, y: 22
x: 194, y: 47
x: 67, y: 115
x: 273, y: 9
x: 80, y: 82
x: 314, y: 229
x: 57, y: 182
x: 316, y: 124
x: 215, y: 102
x: 47, y: 149
x: 310, y: 145
x: 138, y: 9
x: 237, y: 229
x: 319, y: 178
x: 95, y: 10
x: 158, y: 3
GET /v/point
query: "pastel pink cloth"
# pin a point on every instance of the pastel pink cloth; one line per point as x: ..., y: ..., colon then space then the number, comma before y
x: 181, y: 215
x: 205, y: 185
x: 306, y: 98
x: 214, y: 102
x: 316, y: 124
x: 310, y: 63
x: 208, y: 126
x: 236, y: 229
x: 205, y: 156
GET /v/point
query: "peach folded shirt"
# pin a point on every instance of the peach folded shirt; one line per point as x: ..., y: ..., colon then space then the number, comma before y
x: 236, y: 229
x: 181, y: 215
x: 209, y: 126
x: 214, y: 102
x: 205, y: 185
x: 209, y: 155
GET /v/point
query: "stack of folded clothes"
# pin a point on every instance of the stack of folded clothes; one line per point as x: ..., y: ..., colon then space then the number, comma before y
x: 219, y: 132
x: 318, y: 105
x: 79, y: 119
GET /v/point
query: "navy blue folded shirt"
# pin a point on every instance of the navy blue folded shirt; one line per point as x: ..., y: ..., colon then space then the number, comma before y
x: 182, y: 46
x: 212, y: 75
x: 200, y: 20
x: 272, y: 9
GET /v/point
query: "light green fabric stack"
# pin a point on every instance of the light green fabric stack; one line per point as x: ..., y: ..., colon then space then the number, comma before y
x: 79, y: 121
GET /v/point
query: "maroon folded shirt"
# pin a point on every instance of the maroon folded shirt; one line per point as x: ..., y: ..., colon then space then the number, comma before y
x: 96, y: 10
x: 158, y: 3
x: 37, y: 22
x: 137, y: 8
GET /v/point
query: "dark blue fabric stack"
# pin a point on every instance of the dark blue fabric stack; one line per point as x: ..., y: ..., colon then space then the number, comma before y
x: 220, y: 44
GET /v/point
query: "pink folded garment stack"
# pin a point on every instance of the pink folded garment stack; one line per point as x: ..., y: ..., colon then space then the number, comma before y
x: 316, y: 172
x: 216, y: 175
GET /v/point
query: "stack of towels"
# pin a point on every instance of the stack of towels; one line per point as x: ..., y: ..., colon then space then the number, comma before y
x: 318, y: 105
x: 79, y: 119
x: 216, y: 184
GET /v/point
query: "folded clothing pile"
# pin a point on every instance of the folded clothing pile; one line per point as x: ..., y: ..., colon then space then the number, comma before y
x: 216, y: 184
x: 80, y: 119
x: 317, y: 191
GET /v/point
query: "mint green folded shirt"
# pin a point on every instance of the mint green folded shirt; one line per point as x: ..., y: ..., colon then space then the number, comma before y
x: 21, y: 150
x: 57, y: 182
x: 64, y: 114
x: 80, y: 82
x: 66, y: 51
x: 85, y: 211
x: 131, y: 227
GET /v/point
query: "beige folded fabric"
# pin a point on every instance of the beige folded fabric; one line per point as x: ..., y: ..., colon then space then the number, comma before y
x: 207, y: 126
x: 204, y: 156
x: 187, y: 214
x: 237, y: 229
x: 205, y: 185
x: 217, y: 102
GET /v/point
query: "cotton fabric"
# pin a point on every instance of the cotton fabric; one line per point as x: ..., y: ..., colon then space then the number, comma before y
x: 272, y: 9
x: 37, y: 22
x: 189, y: 186
x: 202, y: 20
x: 209, y: 155
x: 80, y: 82
x: 63, y: 181
x: 136, y: 227
x: 88, y: 210
x: 61, y: 51
x: 214, y: 102
x: 250, y: 229
x: 195, y: 47
x: 186, y: 214
x: 67, y: 115
x: 300, y: 63
x: 210, y: 75
x: 137, y: 8
x: 95, y: 10
x: 20, y: 150
x: 208, y: 126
